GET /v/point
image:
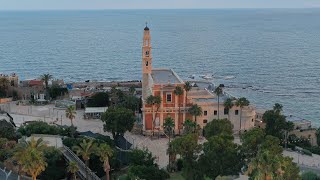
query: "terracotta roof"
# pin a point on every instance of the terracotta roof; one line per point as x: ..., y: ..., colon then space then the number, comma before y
x: 35, y: 83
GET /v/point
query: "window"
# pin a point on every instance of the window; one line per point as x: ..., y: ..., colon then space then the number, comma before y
x: 215, y: 112
x: 169, y: 98
x: 205, y: 113
x: 205, y: 121
x: 252, y: 120
x: 147, y: 53
x: 236, y: 112
x: 147, y: 63
x: 226, y: 111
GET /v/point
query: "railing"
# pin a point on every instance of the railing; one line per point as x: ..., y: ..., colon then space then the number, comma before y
x: 91, y: 174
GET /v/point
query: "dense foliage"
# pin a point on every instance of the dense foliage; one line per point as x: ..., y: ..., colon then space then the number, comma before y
x: 221, y: 156
x: 143, y: 166
x: 218, y: 127
x: 56, y: 164
x: 56, y: 91
x: 118, y: 120
x: 7, y: 130
x: 100, y: 99
x: 40, y: 127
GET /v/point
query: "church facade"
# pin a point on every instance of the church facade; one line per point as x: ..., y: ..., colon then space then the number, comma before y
x: 162, y: 82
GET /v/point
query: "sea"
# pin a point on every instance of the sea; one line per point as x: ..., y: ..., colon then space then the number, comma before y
x: 267, y: 55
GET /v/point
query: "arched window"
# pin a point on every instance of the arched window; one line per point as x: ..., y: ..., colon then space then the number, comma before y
x: 147, y: 63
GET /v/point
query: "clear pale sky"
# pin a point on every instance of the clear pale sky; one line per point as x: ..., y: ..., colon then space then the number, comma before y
x: 153, y: 4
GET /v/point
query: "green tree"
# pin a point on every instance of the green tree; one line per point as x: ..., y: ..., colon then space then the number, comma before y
x: 220, y: 157
x: 105, y: 152
x: 276, y: 123
x: 131, y: 102
x: 154, y: 101
x: 187, y: 147
x: 251, y: 141
x: 187, y: 87
x: 271, y: 144
x: 138, y: 157
x: 277, y: 108
x: 100, y: 99
x: 46, y: 78
x: 242, y: 102
x: 30, y: 157
x: 195, y: 110
x: 56, y: 91
x: 85, y: 149
x: 178, y: 91
x: 39, y: 127
x: 218, y: 91
x: 228, y: 104
x: 189, y: 126
x: 218, y: 127
x: 118, y: 120
x: 4, y: 84
x: 7, y: 130
x: 169, y: 125
x: 73, y: 168
x: 56, y: 168
x: 147, y: 172
x: 267, y: 165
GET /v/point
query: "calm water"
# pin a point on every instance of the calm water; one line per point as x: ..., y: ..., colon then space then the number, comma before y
x: 274, y: 54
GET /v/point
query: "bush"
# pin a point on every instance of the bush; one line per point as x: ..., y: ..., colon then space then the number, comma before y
x: 7, y: 130
x: 310, y: 176
x: 179, y: 164
x: 147, y: 172
x: 306, y: 152
x: 56, y: 165
x: 39, y: 128
x: 314, y: 149
x: 292, y: 147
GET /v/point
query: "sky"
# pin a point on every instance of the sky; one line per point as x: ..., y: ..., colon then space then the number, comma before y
x: 152, y: 4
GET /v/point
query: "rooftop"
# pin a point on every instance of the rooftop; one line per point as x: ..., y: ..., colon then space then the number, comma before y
x: 165, y: 76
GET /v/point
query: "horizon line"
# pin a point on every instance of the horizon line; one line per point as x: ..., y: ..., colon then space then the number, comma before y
x: 216, y: 8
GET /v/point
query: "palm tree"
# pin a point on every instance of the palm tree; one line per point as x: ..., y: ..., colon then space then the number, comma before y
x: 73, y: 168
x: 218, y: 92
x: 277, y: 108
x: 189, y: 126
x: 178, y: 92
x: 264, y: 166
x: 104, y: 151
x: 85, y: 149
x: 46, y: 78
x: 30, y: 157
x: 195, y: 110
x: 228, y: 104
x: 187, y: 87
x: 71, y: 113
x: 169, y: 125
x: 241, y: 102
x: 154, y: 100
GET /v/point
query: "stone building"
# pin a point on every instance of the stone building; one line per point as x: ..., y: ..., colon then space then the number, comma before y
x: 162, y: 82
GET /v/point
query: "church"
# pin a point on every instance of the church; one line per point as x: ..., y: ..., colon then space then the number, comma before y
x: 162, y: 82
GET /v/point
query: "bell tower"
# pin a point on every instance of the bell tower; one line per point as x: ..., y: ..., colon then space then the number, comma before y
x: 146, y: 52
x: 146, y: 62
